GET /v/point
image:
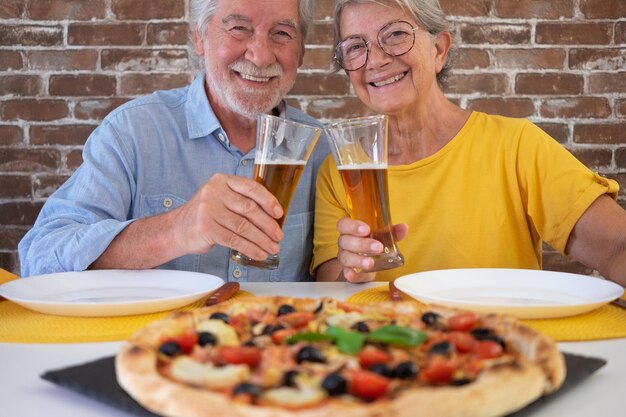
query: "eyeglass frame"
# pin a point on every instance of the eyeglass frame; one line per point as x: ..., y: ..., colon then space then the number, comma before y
x: 368, y: 43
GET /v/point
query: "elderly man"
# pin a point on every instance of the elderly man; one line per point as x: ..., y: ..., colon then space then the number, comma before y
x: 165, y: 178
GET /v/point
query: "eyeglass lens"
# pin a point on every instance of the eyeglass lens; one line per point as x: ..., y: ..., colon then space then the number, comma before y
x: 395, y: 38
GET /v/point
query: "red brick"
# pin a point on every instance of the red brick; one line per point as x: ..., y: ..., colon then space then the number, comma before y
x: 15, y: 186
x: 97, y: 109
x: 12, y: 9
x: 20, y: 85
x: 167, y: 34
x: 29, y: 160
x: 321, y: 84
x: 19, y: 213
x: 528, y: 9
x: 573, y: 33
x: 10, y: 238
x: 323, y: 9
x: 66, y: 9
x: 620, y: 108
x: 320, y: 33
x: 74, y: 159
x: 559, y: 132
x: 613, y: 82
x: 620, y: 32
x: 620, y: 157
x: 606, y: 59
x: 337, y: 108
x: 477, y: 83
x: 45, y: 185
x: 62, y: 60
x: 317, y: 58
x: 82, y: 85
x: 105, y: 34
x: 494, y: 34
x: 466, y: 8
x: 144, y: 60
x: 594, y: 158
x: 603, y: 9
x: 551, y: 84
x: 512, y: 107
x: 8, y: 260
x: 537, y: 58
x: 11, y: 135
x: 601, y: 134
x: 37, y: 110
x: 10, y: 60
x: 469, y: 58
x: 148, y: 9
x: 66, y: 135
x: 31, y: 35
x: 135, y: 84
x: 576, y: 107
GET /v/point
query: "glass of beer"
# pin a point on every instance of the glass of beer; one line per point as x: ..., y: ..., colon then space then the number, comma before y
x: 282, y: 150
x: 359, y: 148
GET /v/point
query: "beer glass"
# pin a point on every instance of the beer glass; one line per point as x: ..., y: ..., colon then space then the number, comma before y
x: 282, y: 150
x: 359, y: 148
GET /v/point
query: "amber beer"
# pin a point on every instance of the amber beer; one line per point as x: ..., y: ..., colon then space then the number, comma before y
x: 368, y: 200
x: 281, y: 179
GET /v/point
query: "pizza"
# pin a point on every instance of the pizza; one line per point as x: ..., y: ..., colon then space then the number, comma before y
x: 298, y: 357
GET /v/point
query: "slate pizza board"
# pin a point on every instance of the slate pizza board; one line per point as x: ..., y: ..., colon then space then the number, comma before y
x: 97, y: 380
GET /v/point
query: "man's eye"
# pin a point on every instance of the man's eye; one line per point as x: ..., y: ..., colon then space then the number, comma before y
x: 283, y: 36
x: 239, y: 31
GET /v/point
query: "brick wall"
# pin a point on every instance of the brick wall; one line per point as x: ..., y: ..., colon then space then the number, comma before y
x: 64, y: 64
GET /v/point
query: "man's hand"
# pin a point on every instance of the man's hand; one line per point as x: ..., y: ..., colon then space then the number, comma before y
x: 230, y: 211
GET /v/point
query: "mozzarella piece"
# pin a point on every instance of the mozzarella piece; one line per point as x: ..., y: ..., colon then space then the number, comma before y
x: 226, y: 335
x: 185, y: 369
x: 293, y: 397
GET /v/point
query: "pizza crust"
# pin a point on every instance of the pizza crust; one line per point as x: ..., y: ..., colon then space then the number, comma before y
x: 498, y: 391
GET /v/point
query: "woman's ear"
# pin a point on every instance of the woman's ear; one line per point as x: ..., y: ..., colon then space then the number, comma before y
x: 443, y: 41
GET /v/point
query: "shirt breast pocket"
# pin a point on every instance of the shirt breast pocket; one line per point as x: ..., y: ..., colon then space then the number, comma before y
x: 153, y: 205
x: 296, y: 249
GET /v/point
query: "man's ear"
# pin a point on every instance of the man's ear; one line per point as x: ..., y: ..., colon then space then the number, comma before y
x: 443, y: 41
x: 198, y: 44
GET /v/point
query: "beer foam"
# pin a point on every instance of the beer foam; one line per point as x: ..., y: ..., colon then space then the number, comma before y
x: 362, y: 166
x: 280, y: 162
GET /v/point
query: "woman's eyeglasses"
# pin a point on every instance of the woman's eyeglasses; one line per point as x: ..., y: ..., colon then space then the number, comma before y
x: 395, y: 38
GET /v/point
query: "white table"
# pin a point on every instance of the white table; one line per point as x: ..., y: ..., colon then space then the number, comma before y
x: 24, y: 394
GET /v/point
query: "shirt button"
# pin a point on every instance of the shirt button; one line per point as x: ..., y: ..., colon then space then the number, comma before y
x: 167, y: 203
x: 237, y: 273
x: 244, y: 162
x: 221, y: 137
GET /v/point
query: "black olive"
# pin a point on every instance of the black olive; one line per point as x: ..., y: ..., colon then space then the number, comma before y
x: 481, y: 332
x: 220, y: 316
x: 269, y: 329
x: 441, y: 348
x: 334, y: 384
x: 382, y: 369
x: 319, y: 308
x: 206, y: 338
x: 285, y: 309
x: 429, y: 318
x: 460, y: 381
x: 170, y: 349
x: 405, y: 370
x: 310, y: 354
x: 361, y: 327
x: 250, y: 343
x: 289, y: 378
x: 247, y: 388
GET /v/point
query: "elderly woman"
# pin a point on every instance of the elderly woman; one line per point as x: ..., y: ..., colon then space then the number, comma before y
x: 468, y: 189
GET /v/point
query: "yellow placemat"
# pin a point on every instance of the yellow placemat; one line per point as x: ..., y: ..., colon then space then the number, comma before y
x: 20, y: 325
x: 606, y: 322
x: 6, y: 276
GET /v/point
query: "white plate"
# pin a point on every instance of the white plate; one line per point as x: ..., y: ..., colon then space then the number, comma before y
x: 524, y: 293
x: 109, y: 292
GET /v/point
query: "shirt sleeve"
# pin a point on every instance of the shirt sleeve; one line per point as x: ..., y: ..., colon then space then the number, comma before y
x: 79, y: 221
x: 330, y: 206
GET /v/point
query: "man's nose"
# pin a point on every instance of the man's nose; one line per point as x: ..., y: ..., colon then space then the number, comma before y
x: 260, y: 51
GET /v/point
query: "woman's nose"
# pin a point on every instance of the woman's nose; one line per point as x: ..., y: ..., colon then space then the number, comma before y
x: 377, y: 57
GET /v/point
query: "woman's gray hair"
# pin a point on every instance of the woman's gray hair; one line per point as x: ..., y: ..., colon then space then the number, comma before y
x: 201, y: 12
x: 427, y: 13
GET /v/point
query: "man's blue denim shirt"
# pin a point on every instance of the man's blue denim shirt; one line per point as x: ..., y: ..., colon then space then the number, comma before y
x: 150, y: 156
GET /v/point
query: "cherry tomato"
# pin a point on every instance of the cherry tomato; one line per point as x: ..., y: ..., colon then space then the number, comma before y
x: 488, y: 349
x: 439, y: 371
x: 368, y: 385
x: 239, y: 322
x: 463, y: 342
x: 186, y: 341
x: 279, y: 336
x: 237, y: 355
x: 371, y: 355
x: 297, y: 319
x: 462, y: 321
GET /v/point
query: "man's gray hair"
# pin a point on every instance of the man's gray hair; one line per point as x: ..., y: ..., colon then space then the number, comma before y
x: 201, y: 12
x: 427, y: 13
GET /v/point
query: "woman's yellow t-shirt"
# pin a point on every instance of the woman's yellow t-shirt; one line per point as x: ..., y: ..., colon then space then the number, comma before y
x: 487, y: 199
